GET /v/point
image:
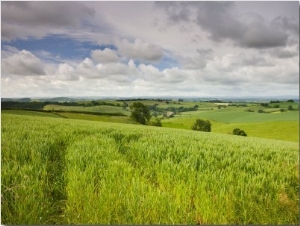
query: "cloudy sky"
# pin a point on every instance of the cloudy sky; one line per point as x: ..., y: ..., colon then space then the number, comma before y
x: 149, y: 49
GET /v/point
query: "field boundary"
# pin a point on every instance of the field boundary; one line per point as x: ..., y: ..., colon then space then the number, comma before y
x: 62, y: 111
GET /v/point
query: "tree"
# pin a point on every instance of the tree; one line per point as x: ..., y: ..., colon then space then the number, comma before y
x: 140, y: 112
x: 157, y: 122
x: 239, y: 132
x: 290, y: 107
x: 202, y: 125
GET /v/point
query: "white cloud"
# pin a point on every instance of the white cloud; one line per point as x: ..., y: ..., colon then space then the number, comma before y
x: 140, y: 50
x: 22, y: 63
x: 65, y: 72
x: 105, y: 56
x: 213, y: 49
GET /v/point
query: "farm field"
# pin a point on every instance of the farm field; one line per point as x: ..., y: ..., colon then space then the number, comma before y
x: 69, y: 171
x: 276, y: 121
x: 96, y: 109
x: 281, y: 126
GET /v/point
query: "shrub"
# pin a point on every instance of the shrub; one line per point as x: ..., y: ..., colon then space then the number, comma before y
x: 239, y: 132
x: 202, y: 125
x: 157, y: 122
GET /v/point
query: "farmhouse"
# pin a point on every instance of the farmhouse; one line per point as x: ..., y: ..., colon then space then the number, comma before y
x: 169, y: 114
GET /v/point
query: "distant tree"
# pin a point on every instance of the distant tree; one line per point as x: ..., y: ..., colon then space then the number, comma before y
x: 274, y: 101
x: 290, y: 107
x: 282, y: 110
x: 239, y: 132
x: 140, y: 112
x: 202, y: 125
x: 157, y: 122
x: 260, y: 111
x: 94, y: 103
x: 291, y: 101
x: 264, y: 104
x: 155, y: 114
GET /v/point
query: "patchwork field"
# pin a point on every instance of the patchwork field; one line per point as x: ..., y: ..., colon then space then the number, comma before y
x: 68, y: 171
x: 277, y: 120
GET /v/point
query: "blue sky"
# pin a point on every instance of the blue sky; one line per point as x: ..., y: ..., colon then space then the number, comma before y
x: 149, y: 49
x: 57, y: 45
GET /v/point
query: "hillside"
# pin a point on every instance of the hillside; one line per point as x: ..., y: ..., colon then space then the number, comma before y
x: 273, y: 120
x: 87, y: 172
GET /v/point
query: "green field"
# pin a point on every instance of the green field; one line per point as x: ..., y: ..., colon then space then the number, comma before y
x: 234, y: 115
x: 68, y: 171
x: 279, y: 125
x: 104, y: 109
x: 277, y: 121
x: 31, y: 113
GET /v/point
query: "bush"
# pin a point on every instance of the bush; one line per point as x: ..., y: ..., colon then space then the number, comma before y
x: 239, y: 132
x: 202, y: 125
x: 157, y: 122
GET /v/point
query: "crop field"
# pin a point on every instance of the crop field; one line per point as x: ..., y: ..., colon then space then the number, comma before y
x: 68, y: 171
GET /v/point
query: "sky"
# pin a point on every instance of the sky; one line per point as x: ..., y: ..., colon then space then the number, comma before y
x: 134, y: 49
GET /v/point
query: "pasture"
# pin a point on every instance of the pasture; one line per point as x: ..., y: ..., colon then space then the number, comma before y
x: 104, y: 109
x: 280, y: 126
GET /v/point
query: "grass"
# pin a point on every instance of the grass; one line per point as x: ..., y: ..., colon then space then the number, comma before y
x: 279, y: 130
x: 236, y: 115
x: 279, y: 125
x: 31, y: 113
x: 58, y: 171
x: 106, y: 109
x: 100, y: 118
